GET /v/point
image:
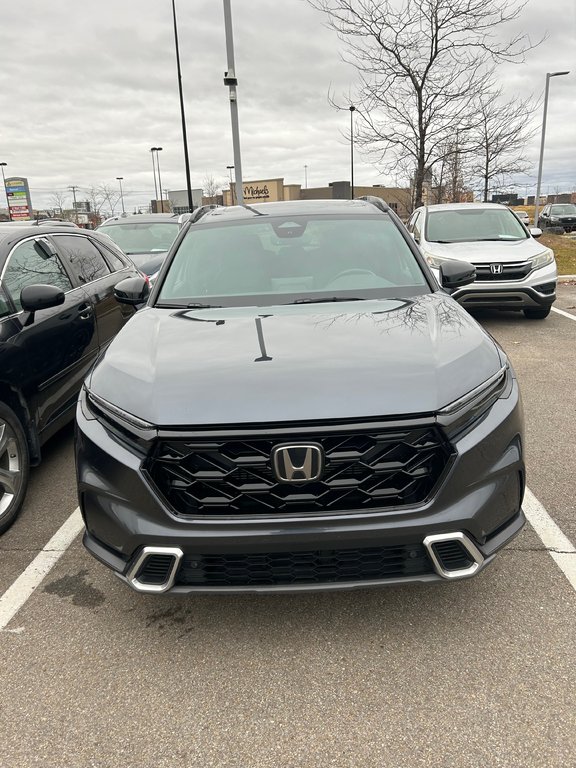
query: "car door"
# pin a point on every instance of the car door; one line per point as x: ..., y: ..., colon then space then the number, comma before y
x: 51, y: 351
x: 96, y: 276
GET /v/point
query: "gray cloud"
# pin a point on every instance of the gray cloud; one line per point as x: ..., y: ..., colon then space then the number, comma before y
x: 85, y: 91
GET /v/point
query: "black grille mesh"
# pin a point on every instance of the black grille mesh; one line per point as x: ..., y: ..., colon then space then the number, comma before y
x: 516, y: 271
x: 312, y: 567
x: 371, y: 469
x: 453, y: 555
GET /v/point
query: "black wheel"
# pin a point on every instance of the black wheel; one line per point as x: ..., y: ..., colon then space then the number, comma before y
x: 14, y: 467
x: 537, y: 314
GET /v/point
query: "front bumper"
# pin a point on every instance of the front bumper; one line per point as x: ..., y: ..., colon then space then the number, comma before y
x: 478, y: 498
x: 536, y: 291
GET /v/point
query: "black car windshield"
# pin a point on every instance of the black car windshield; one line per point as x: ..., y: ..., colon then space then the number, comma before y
x: 563, y: 210
x: 282, y: 260
x: 142, y: 236
x: 464, y: 225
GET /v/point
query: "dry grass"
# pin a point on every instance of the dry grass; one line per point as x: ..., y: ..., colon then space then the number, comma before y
x: 564, y: 248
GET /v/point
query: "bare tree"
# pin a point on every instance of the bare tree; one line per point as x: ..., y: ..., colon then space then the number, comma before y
x: 421, y: 66
x: 103, y: 199
x: 211, y: 188
x: 501, y: 135
x: 58, y: 200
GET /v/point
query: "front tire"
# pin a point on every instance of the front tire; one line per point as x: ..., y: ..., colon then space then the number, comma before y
x: 14, y: 467
x: 537, y: 314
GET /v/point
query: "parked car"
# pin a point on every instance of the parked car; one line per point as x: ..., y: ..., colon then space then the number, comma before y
x: 57, y: 313
x: 299, y: 406
x: 513, y: 270
x: 523, y: 216
x: 145, y: 238
x: 559, y: 215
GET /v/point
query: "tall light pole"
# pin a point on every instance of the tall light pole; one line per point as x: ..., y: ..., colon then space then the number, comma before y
x: 119, y: 180
x: 537, y: 201
x: 230, y: 168
x: 3, y: 165
x: 152, y: 150
x: 159, y: 149
x: 305, y: 177
x: 352, y: 110
x: 182, y: 114
x: 231, y: 81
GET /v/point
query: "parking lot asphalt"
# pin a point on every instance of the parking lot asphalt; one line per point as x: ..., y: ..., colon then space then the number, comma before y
x: 475, y: 673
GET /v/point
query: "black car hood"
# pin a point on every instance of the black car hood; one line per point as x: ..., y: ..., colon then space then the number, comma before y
x: 295, y: 363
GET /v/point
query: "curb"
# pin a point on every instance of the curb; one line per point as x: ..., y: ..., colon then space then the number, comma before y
x: 566, y: 278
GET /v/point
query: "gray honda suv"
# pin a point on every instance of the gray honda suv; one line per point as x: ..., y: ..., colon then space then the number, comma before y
x: 300, y: 405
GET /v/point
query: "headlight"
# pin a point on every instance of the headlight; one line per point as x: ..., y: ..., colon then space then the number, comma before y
x: 123, y: 425
x: 542, y: 259
x: 462, y: 413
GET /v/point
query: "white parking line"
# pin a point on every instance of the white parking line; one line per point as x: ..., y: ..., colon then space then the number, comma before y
x: 564, y: 314
x: 17, y: 594
x: 559, y: 547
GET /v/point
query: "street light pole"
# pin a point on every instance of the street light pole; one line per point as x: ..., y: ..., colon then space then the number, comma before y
x: 537, y: 200
x: 3, y: 165
x: 231, y: 81
x: 305, y: 177
x: 159, y: 149
x: 182, y: 114
x: 352, y: 110
x: 152, y: 150
x: 119, y: 179
x: 231, y: 168
x: 74, y: 188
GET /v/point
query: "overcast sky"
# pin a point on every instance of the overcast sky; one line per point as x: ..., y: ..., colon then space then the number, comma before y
x: 87, y: 88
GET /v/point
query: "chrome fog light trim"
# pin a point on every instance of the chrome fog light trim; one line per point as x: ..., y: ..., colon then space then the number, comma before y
x: 132, y: 573
x: 461, y: 538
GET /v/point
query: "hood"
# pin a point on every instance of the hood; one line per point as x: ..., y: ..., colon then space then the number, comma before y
x: 295, y: 363
x: 486, y: 252
x: 149, y: 263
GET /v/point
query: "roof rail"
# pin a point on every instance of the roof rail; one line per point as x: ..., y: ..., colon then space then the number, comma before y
x: 377, y: 201
x: 196, y: 214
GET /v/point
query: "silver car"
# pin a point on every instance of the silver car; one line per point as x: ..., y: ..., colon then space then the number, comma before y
x: 513, y: 270
x: 523, y: 216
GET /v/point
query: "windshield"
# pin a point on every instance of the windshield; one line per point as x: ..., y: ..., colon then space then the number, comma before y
x: 141, y: 236
x: 467, y: 225
x: 286, y: 260
x: 563, y: 210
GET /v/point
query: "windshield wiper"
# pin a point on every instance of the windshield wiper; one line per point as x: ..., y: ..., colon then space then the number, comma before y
x: 197, y: 305
x: 313, y: 300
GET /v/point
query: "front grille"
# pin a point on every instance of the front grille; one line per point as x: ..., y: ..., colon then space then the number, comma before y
x: 312, y: 567
x: 370, y: 469
x: 513, y: 271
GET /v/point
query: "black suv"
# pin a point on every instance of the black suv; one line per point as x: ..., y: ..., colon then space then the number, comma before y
x: 57, y: 312
x: 559, y: 215
x: 299, y: 406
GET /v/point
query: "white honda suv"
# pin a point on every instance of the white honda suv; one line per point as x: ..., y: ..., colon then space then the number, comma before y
x: 513, y: 270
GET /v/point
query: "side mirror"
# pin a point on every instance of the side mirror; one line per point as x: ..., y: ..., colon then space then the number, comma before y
x: 454, y: 274
x: 36, y: 297
x: 132, y: 290
x: 44, y: 248
x: 535, y: 231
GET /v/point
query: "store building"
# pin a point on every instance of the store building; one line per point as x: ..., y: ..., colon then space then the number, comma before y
x: 274, y: 190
